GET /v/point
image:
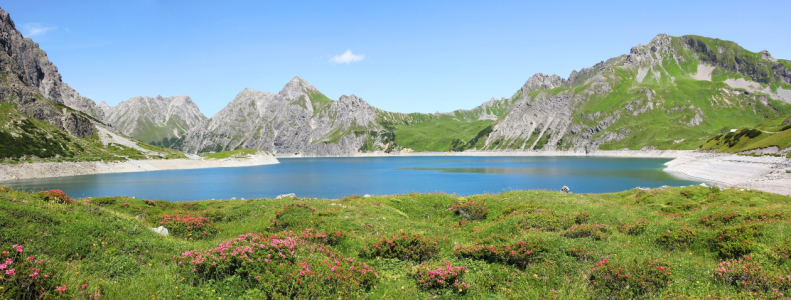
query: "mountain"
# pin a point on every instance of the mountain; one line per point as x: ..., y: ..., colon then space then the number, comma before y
x: 41, y: 117
x: 672, y: 93
x: 158, y: 120
x: 298, y: 119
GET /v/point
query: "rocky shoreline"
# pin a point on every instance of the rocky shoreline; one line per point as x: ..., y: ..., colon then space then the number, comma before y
x: 53, y: 169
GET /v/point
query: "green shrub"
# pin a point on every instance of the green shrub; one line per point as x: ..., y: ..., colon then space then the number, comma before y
x: 581, y: 218
x: 520, y: 254
x: 295, y: 215
x: 718, y: 219
x: 579, y: 253
x: 595, y: 231
x: 25, y: 277
x: 764, y: 216
x: 5, y: 189
x: 613, y: 280
x: 439, y: 277
x: 103, y: 201
x: 470, y: 209
x: 680, y: 208
x: 736, y: 242
x: 404, y: 247
x: 550, y: 220
x: 747, y: 274
x: 678, y: 239
x: 633, y: 229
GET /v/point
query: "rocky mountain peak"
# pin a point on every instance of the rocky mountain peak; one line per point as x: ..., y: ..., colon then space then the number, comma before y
x: 766, y: 56
x: 296, y: 87
x: 541, y: 81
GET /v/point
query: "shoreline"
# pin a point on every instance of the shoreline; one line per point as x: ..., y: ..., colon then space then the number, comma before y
x: 55, y: 169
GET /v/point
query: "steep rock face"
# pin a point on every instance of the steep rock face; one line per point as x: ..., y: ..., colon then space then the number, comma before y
x: 29, y: 79
x: 33, y: 68
x: 298, y: 119
x: 151, y: 119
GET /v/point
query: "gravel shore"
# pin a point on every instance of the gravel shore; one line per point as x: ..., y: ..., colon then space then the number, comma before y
x: 51, y: 169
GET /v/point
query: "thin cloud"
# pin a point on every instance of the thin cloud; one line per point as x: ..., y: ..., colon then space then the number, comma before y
x: 347, y: 57
x: 34, y: 29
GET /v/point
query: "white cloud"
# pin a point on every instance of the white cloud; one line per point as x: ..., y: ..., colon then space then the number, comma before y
x: 33, y: 29
x: 347, y: 57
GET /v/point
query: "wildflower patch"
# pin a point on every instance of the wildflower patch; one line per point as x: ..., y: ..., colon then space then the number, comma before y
x: 470, y: 210
x: 635, y: 228
x: 439, y: 277
x: 595, y: 231
x: 737, y: 241
x: 188, y: 226
x: 284, y: 265
x: 56, y: 196
x: 25, y: 277
x: 747, y: 274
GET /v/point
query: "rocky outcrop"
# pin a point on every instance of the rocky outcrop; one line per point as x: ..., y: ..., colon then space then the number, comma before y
x: 31, y: 82
x: 787, y: 121
x: 296, y: 120
x: 151, y: 119
x: 32, y: 67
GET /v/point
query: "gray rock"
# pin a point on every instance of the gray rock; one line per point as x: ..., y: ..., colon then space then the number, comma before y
x: 366, y: 196
x: 161, y: 230
x: 283, y: 196
x: 565, y: 189
x: 787, y: 121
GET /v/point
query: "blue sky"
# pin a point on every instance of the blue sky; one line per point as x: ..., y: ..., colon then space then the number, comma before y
x: 405, y: 56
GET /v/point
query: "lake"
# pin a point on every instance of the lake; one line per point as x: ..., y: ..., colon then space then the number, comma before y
x: 340, y: 177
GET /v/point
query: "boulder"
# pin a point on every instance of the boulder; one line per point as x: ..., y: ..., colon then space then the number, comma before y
x: 161, y: 230
x: 787, y: 121
x: 366, y: 196
x: 565, y: 189
x: 291, y: 195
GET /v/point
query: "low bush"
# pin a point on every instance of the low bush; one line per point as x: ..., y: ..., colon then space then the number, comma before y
x: 470, y: 210
x: 579, y: 254
x: 747, y: 274
x: 550, y: 220
x: 280, y: 266
x: 636, y: 228
x: 680, y: 208
x: 438, y: 277
x: 5, y: 189
x: 57, y: 196
x: 613, y: 280
x: 25, y: 277
x: 736, y: 242
x: 404, y: 247
x: 764, y: 216
x: 294, y: 215
x: 188, y: 226
x: 595, y: 231
x: 103, y: 201
x: 520, y: 254
x: 678, y: 239
x: 718, y: 219
x: 150, y: 202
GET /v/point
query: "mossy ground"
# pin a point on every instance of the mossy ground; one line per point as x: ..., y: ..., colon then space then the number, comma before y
x: 106, y: 241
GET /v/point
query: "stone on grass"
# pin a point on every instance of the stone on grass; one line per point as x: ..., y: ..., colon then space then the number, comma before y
x: 161, y: 230
x: 565, y: 189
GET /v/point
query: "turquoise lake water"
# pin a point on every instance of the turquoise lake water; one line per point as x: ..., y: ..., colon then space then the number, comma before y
x: 340, y: 177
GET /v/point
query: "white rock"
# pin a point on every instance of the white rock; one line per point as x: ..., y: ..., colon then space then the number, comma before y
x: 161, y: 230
x: 366, y: 196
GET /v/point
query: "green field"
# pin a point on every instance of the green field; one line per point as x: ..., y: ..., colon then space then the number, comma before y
x: 438, y: 134
x: 668, y: 243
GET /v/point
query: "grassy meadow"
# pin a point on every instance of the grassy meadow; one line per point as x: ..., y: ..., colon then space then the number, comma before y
x: 664, y: 243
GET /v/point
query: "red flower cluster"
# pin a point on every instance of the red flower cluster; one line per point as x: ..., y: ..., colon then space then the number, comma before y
x: 57, y: 196
x: 520, y: 254
x: 633, y: 229
x: 284, y: 264
x: 188, y: 226
x: 24, y: 277
x: 431, y: 276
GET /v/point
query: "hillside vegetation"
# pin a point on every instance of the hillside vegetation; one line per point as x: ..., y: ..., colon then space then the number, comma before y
x: 666, y: 243
x: 768, y: 134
